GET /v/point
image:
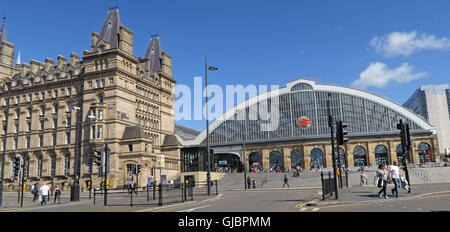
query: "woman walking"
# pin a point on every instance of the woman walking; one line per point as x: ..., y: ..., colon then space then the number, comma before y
x: 57, y: 194
x: 382, y: 177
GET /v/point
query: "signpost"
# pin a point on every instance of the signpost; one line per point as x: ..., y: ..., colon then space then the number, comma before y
x: 160, y: 163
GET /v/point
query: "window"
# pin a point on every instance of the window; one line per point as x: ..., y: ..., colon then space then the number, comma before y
x: 54, y: 139
x: 53, y: 165
x: 100, y: 98
x: 28, y: 126
x: 30, y: 97
x: 97, y: 84
x: 99, y: 132
x: 69, y: 107
x: 42, y: 95
x: 69, y: 121
x: 17, y: 114
x: 30, y: 112
x: 68, y: 137
x: 69, y: 91
x: 100, y: 115
x: 55, y: 123
x: 42, y: 113
x: 67, y: 165
x: 130, y: 147
x: 55, y: 108
x: 39, y: 167
x: 16, y: 142
x: 41, y: 140
x: 42, y: 125
x: 28, y: 140
x: 55, y: 93
x: 103, y: 83
x: 93, y: 132
x: 17, y: 99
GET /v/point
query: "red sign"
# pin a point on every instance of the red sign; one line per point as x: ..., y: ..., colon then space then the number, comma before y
x: 304, y: 121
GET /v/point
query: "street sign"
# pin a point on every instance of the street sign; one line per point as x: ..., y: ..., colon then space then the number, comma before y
x: 149, y: 182
x: 160, y: 162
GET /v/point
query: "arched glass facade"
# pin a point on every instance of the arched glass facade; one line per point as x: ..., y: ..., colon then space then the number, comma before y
x: 363, y: 116
x: 297, y: 158
x: 316, y: 158
x: 339, y: 151
x: 424, y: 153
x: 381, y: 155
x: 359, y: 156
x: 276, y: 160
x: 254, y: 159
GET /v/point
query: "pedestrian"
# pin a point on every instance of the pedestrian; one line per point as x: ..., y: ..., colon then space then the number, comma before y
x: 35, y: 192
x: 254, y: 183
x: 363, y: 179
x: 382, y: 177
x: 57, y: 194
x: 249, y: 182
x: 286, y: 181
x: 394, y: 176
x: 44, y: 193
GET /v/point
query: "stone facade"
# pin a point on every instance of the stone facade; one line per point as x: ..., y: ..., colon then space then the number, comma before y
x: 123, y: 103
x: 368, y: 143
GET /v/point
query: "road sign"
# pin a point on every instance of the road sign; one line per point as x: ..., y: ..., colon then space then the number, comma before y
x: 160, y: 161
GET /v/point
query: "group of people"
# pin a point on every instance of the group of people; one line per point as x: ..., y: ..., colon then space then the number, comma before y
x: 251, y: 183
x: 386, y: 175
x: 42, y: 194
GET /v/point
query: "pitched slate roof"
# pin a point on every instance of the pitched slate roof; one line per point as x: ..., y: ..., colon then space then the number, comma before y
x: 110, y: 30
x: 133, y: 132
x: 154, y: 52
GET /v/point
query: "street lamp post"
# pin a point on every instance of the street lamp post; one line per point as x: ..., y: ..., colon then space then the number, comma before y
x: 75, y: 190
x: 208, y: 175
x: 330, y: 124
x: 243, y: 144
x: 8, y: 84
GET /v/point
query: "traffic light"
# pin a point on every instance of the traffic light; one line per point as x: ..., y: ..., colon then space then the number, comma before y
x: 340, y: 133
x: 151, y: 172
x: 139, y: 168
x: 98, y: 157
x: 90, y: 159
x: 16, y: 166
x: 405, y: 137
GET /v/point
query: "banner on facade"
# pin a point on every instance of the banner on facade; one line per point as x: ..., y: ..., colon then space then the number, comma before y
x: 160, y: 162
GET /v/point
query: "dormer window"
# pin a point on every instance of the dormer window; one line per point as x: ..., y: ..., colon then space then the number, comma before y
x: 102, y: 48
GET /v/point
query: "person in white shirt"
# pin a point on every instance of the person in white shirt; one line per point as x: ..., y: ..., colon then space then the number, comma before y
x: 44, y: 193
x: 394, y: 176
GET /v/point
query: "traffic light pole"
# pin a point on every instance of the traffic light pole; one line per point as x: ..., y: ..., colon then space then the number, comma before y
x: 106, y: 174
x: 330, y: 124
x: 23, y: 181
x: 4, y: 144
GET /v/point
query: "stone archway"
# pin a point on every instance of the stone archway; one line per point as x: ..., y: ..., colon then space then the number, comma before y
x: 424, y: 150
x: 359, y: 156
x: 276, y: 160
x: 297, y: 158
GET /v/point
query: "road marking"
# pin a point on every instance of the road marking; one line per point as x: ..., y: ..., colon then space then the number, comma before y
x: 419, y: 208
x: 190, y: 210
x: 315, y: 209
x: 303, y: 209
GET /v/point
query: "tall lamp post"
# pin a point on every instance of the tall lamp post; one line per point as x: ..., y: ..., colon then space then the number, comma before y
x: 75, y: 189
x: 8, y: 84
x: 208, y: 175
x: 243, y: 144
x: 330, y: 124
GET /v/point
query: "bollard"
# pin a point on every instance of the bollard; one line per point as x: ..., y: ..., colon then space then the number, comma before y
x: 192, y: 193
x: 131, y: 199
x: 185, y: 191
x: 323, y: 189
x: 217, y: 188
x: 94, y: 196
x: 154, y: 190
x: 148, y: 196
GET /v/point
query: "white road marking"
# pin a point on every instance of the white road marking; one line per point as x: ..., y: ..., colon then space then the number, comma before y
x: 303, y: 209
x: 190, y: 210
x: 315, y: 209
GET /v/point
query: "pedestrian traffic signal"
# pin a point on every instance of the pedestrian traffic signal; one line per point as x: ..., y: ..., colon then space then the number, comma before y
x: 98, y: 157
x: 341, y: 133
x: 404, y: 135
x: 16, y: 166
x: 139, y: 168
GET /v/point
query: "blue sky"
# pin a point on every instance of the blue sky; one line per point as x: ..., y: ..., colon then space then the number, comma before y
x: 258, y: 42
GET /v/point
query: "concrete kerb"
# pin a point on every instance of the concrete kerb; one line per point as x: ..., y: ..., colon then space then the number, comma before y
x: 180, y: 204
x: 271, y: 189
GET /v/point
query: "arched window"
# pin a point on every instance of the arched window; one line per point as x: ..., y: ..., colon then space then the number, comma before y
x: 42, y: 112
x: 425, y: 153
x: 55, y: 108
x: 359, y: 156
x: 341, y: 153
x: 69, y: 107
x: 254, y: 159
x: 100, y: 98
x: 399, y: 151
x: 297, y: 158
x: 30, y: 112
x: 276, y: 160
x: 381, y: 155
x: 316, y: 158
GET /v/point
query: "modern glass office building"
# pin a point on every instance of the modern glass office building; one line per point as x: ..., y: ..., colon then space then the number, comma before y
x: 289, y: 126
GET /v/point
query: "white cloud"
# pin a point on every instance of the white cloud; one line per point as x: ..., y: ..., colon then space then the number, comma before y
x: 404, y: 43
x: 379, y: 75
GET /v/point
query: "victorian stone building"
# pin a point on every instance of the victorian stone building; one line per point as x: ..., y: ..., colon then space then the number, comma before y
x: 124, y: 101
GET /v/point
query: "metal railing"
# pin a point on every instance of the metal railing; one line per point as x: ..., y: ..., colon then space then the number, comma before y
x: 328, y: 185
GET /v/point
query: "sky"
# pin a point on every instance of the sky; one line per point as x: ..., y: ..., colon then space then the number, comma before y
x: 388, y: 48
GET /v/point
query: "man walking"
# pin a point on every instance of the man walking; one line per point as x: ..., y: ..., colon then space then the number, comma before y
x: 286, y: 181
x: 394, y: 176
x: 44, y: 193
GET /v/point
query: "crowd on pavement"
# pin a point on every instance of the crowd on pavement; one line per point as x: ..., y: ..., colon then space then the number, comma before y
x: 42, y: 194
